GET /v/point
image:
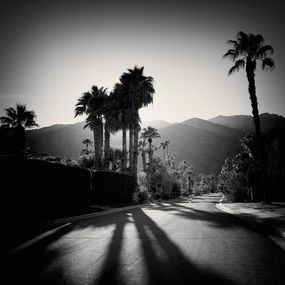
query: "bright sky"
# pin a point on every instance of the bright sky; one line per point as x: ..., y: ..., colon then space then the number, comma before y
x: 53, y: 51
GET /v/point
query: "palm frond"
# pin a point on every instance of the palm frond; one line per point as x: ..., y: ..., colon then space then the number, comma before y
x: 6, y: 121
x: 238, y: 64
x: 11, y: 113
x: 268, y: 63
x: 264, y: 51
x: 231, y: 54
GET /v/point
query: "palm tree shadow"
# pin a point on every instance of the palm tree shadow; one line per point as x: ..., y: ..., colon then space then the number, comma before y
x: 165, y: 262
x: 110, y: 273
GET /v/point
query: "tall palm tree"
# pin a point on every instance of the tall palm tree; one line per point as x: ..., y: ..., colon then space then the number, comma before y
x: 139, y: 89
x: 91, y: 103
x: 121, y: 117
x: 149, y: 134
x: 19, y: 117
x: 246, y: 51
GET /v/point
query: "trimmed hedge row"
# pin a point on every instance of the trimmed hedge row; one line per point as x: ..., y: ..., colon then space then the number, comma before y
x: 38, y: 188
x: 112, y: 187
x: 44, y: 190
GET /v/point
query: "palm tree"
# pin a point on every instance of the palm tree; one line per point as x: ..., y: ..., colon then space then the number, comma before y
x: 246, y: 50
x: 87, y: 142
x: 19, y: 117
x: 186, y: 170
x: 164, y: 146
x: 139, y: 89
x: 149, y: 134
x: 142, y: 149
x: 121, y: 117
x: 91, y: 103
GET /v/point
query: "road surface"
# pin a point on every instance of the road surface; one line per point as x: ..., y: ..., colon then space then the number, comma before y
x: 166, y: 243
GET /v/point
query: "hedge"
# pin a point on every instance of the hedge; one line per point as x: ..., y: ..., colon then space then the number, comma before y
x: 42, y: 189
x: 112, y: 187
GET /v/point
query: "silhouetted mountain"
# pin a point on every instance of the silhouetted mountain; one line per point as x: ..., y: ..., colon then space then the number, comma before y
x: 205, y: 149
x: 66, y: 140
x: 158, y: 124
x: 216, y: 128
x: 205, y: 144
x: 245, y: 123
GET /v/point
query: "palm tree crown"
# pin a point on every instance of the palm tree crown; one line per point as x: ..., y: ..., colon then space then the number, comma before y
x: 138, y: 87
x: 19, y: 117
x: 91, y: 103
x: 247, y: 49
x: 149, y: 134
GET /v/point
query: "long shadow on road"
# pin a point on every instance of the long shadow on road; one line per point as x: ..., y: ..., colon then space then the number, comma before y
x: 162, y: 260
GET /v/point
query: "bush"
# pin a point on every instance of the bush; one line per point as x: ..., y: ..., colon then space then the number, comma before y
x: 176, y: 191
x: 112, y: 187
x: 86, y: 160
x: 143, y: 196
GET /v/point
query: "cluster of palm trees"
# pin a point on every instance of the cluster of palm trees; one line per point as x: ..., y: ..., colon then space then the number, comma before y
x: 118, y: 110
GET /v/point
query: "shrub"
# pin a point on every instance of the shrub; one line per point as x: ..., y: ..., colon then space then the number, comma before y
x: 86, y: 160
x: 112, y: 187
x: 176, y: 190
x: 143, y: 196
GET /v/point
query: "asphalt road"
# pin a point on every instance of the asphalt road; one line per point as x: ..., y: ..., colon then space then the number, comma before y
x: 167, y: 243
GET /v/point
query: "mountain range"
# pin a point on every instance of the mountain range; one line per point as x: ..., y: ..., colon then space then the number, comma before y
x: 205, y: 143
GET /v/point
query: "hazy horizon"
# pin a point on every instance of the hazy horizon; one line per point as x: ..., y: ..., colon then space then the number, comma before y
x: 53, y: 51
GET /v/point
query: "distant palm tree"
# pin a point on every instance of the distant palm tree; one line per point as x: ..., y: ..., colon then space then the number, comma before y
x: 19, y: 117
x: 142, y: 149
x: 164, y: 146
x: 149, y: 134
x: 186, y: 170
x: 91, y: 103
x: 87, y: 143
x: 139, y: 90
x: 246, y: 50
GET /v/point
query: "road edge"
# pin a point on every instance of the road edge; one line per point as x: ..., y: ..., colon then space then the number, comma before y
x: 278, y: 240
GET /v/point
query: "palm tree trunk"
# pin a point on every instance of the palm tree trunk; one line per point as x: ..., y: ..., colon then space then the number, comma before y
x: 101, y: 141
x: 250, y: 67
x: 150, y: 165
x: 144, y: 160
x: 96, y: 135
x: 136, y: 152
x: 124, y: 149
x: 253, y: 99
x: 106, y: 146
x: 189, y: 186
x: 131, y: 148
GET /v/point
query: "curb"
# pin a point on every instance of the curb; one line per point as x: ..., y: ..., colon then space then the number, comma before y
x: 62, y: 223
x: 278, y: 240
x: 89, y: 216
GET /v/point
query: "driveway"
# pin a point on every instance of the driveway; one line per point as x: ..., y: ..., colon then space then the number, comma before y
x: 163, y: 243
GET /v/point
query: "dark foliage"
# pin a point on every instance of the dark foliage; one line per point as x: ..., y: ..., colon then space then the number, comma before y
x: 42, y: 190
x: 112, y: 187
x: 12, y: 140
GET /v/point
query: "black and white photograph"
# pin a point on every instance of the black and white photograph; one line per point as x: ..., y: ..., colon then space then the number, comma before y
x: 142, y: 142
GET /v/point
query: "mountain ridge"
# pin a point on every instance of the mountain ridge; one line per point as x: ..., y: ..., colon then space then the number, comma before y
x: 205, y: 143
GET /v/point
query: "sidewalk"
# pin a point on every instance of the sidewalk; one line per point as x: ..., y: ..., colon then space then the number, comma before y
x: 270, y: 216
